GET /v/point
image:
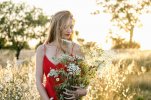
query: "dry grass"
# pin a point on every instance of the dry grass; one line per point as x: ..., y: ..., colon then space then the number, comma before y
x: 127, y: 77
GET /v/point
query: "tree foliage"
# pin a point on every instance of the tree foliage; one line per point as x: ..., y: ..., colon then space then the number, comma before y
x: 125, y: 13
x: 121, y: 43
x: 20, y: 23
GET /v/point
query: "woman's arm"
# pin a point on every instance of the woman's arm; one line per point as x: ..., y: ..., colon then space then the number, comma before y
x: 76, y: 51
x: 39, y: 73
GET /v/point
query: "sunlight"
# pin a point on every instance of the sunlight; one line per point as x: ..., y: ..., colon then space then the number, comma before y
x: 92, y: 27
x: 32, y: 43
x: 142, y: 34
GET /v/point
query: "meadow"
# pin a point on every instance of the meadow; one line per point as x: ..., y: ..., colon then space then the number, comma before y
x: 125, y: 76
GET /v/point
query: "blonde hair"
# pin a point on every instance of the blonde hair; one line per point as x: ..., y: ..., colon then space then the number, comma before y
x: 58, y: 23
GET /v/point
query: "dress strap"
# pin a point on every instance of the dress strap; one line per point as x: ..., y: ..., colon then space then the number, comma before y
x: 56, y: 52
x: 44, y: 49
x: 73, y: 44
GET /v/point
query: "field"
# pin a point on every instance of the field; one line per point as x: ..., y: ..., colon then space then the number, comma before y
x: 125, y: 76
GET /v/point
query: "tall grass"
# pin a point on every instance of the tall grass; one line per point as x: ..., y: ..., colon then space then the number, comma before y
x: 17, y: 82
x: 125, y: 76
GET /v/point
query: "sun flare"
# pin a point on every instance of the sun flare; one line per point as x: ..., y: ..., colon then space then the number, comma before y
x: 32, y: 43
x: 92, y: 27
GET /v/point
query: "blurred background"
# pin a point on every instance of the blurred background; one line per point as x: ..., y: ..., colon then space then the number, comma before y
x: 121, y: 28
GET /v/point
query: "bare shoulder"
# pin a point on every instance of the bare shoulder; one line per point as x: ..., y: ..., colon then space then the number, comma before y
x: 40, y: 50
x: 77, y: 46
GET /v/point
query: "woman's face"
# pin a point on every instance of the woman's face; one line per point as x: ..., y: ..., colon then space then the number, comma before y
x: 68, y: 29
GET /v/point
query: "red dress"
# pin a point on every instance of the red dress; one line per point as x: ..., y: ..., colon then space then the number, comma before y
x: 51, y: 81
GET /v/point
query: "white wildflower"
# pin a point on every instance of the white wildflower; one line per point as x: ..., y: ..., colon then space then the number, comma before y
x: 70, y: 73
x: 57, y: 79
x: 79, y: 57
x: 73, y: 69
x: 66, y: 56
x: 53, y: 72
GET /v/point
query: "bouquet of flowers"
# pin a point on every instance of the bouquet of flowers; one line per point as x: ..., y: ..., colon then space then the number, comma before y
x: 76, y: 73
x: 79, y: 71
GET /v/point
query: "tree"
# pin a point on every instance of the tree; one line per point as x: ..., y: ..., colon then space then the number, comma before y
x: 125, y: 13
x: 19, y: 23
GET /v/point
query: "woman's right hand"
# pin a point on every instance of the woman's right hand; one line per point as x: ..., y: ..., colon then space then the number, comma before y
x: 73, y: 95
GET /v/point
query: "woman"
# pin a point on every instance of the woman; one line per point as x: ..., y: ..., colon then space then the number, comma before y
x: 56, y: 45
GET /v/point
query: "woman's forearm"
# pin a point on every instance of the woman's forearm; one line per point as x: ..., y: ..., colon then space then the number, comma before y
x: 42, y: 91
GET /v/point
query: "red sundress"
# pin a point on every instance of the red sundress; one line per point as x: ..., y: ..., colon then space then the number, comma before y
x: 51, y: 81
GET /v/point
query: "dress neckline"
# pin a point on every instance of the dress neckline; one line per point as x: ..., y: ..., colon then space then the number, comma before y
x: 51, y: 61
x: 59, y: 62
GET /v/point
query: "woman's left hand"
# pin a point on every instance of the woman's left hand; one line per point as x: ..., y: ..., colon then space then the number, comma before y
x: 73, y: 95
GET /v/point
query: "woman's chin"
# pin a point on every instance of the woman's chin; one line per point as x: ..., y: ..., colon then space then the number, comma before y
x: 67, y: 38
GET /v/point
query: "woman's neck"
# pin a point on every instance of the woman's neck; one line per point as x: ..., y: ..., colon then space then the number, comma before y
x: 54, y: 43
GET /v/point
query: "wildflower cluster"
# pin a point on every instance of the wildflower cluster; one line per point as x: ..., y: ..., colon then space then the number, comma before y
x: 76, y: 73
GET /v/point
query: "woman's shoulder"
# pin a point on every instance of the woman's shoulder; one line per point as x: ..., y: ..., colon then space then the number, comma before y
x: 40, y: 49
x: 74, y: 48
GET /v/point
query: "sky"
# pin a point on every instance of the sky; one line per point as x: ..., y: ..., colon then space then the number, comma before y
x: 91, y: 27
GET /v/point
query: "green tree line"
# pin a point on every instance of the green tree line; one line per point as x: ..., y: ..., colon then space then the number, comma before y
x: 20, y: 23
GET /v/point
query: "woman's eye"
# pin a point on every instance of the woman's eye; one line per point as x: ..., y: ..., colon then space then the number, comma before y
x: 65, y: 27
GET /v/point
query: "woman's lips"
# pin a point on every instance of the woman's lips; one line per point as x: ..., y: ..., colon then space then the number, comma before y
x: 68, y: 35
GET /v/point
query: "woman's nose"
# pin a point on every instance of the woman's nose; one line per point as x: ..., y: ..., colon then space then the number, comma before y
x: 69, y: 31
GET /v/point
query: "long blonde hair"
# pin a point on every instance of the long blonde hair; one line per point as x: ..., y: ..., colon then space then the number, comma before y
x: 57, y: 25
